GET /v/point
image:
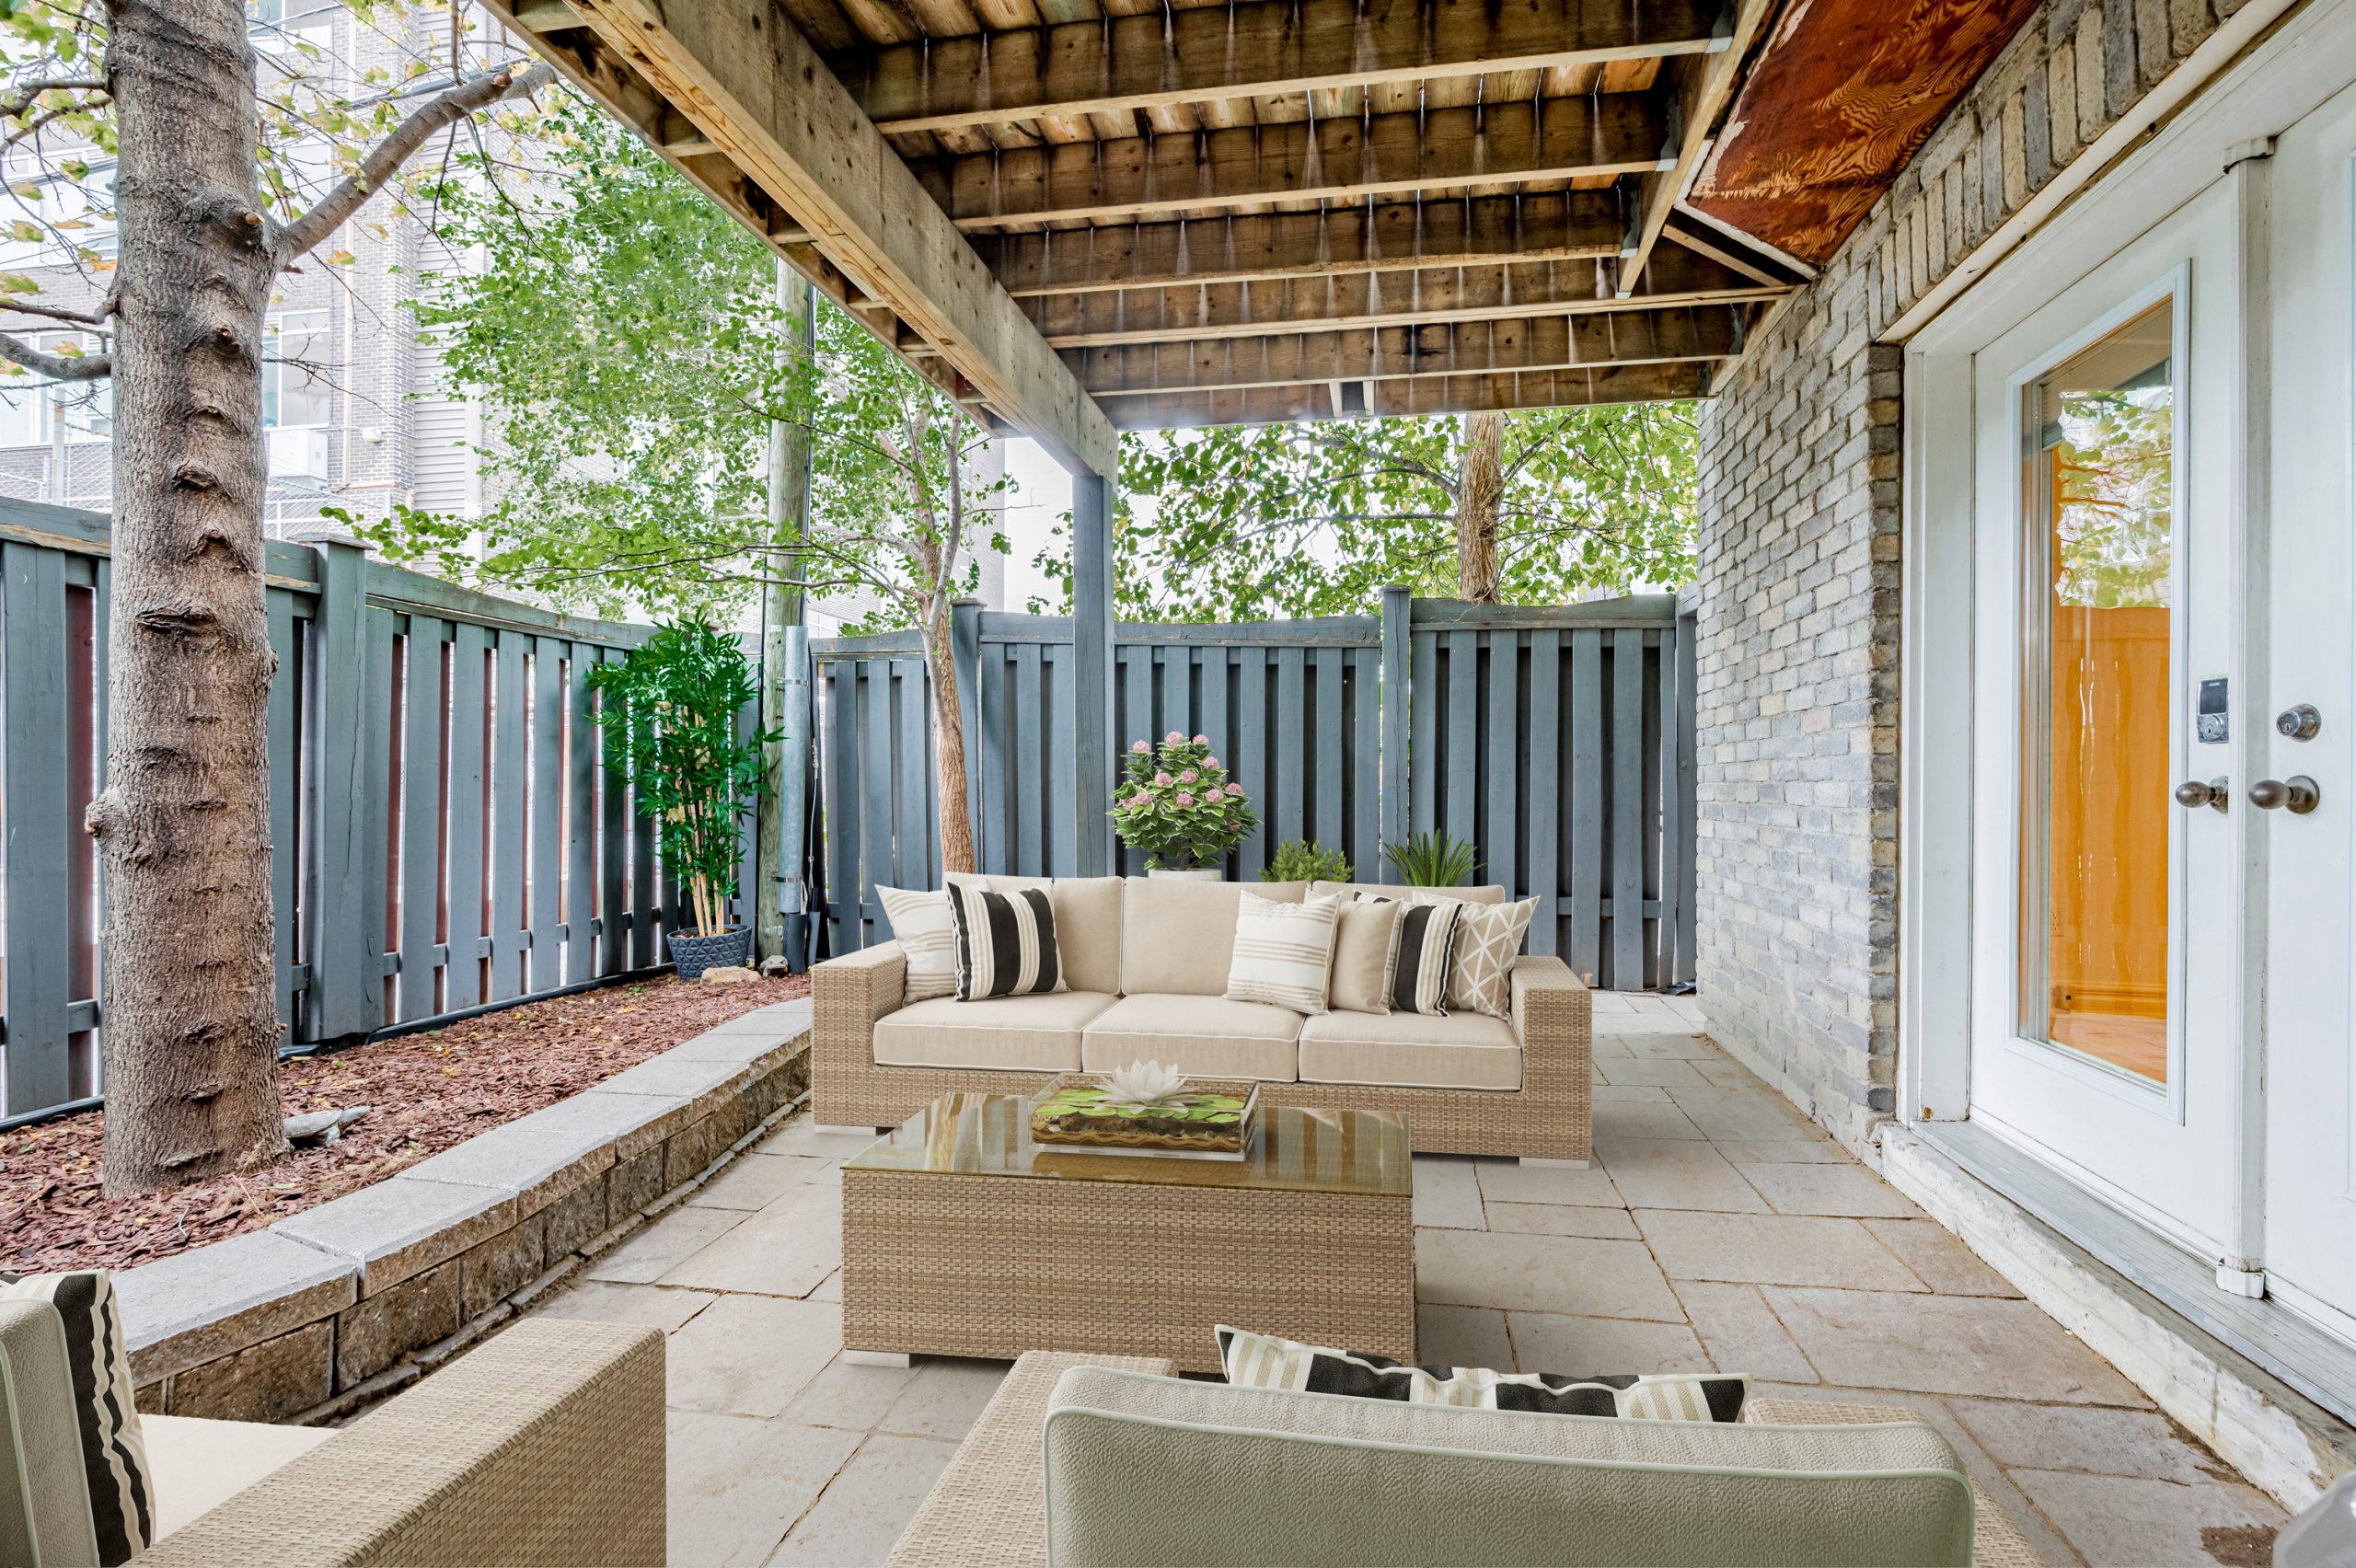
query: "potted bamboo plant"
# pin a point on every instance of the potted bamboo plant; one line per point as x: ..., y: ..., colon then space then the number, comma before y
x: 669, y: 715
x: 1176, y: 802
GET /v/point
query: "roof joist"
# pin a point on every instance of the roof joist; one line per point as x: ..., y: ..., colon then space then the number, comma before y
x: 1267, y: 48
x: 1421, y: 395
x: 1434, y: 153
x: 1558, y: 342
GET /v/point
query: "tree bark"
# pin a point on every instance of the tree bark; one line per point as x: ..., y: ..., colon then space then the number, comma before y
x: 183, y: 824
x: 949, y: 755
x: 778, y: 861
x: 1480, y: 486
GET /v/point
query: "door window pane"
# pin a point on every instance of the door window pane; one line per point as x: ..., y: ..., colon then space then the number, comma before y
x: 294, y: 387
x: 2099, y: 476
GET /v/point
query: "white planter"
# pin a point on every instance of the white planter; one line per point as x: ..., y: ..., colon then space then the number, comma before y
x: 1193, y: 873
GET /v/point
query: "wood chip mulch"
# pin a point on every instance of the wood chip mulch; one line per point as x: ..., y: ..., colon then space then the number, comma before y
x: 427, y: 1092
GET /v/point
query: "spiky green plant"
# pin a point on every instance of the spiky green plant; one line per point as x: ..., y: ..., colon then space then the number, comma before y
x: 1433, y: 859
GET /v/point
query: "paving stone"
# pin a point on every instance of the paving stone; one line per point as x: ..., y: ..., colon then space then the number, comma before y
x: 1629, y: 1094
x: 269, y: 1381
x: 604, y: 1301
x: 1581, y: 1347
x: 870, y: 1501
x: 851, y: 1397
x: 1945, y: 1264
x: 784, y: 1249
x: 1848, y: 1189
x: 2075, y: 1437
x: 1726, y: 1075
x: 736, y: 1485
x: 212, y: 1301
x: 754, y: 1179
x: 1462, y: 1336
x: 1944, y: 1345
x: 751, y: 1354
x: 1742, y: 1112
x: 1448, y: 1192
x: 379, y: 1329
x: 799, y: 1135
x: 829, y: 1289
x: 1675, y: 1174
x: 1564, y: 1219
x: 1676, y: 1043
x: 401, y: 1226
x: 944, y: 1398
x: 1610, y: 1047
x: 1740, y: 1331
x: 1771, y: 1248
x: 2130, y: 1519
x: 1541, y: 1274
x: 1648, y: 1118
x: 1509, y: 1181
x: 1655, y: 1072
x: 663, y: 1245
x: 1783, y: 1151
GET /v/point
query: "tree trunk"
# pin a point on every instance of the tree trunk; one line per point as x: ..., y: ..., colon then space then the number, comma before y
x: 949, y: 756
x: 778, y: 861
x: 1480, y: 485
x: 183, y: 826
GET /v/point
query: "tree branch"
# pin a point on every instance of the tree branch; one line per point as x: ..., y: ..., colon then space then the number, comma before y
x: 59, y: 313
x: 387, y: 158
x: 57, y: 367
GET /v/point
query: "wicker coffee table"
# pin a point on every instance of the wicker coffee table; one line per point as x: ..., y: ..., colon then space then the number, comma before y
x: 962, y: 1237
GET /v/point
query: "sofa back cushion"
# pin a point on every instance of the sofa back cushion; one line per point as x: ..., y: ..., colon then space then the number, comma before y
x: 1088, y: 924
x: 1177, y: 936
x: 1328, y: 1474
x: 1491, y: 893
x: 45, y: 1517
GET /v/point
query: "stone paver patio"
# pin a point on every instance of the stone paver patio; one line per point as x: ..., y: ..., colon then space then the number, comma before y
x: 1717, y: 1228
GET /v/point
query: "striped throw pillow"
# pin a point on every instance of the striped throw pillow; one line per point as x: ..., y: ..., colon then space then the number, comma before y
x: 1426, y: 949
x: 927, y: 933
x: 114, y: 1456
x: 1480, y: 965
x: 1284, y: 953
x: 1006, y: 943
x: 1264, y: 1361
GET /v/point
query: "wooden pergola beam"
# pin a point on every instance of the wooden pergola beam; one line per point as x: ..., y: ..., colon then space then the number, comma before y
x: 1556, y: 342
x: 1420, y: 395
x: 1338, y: 160
x: 1264, y: 49
x: 1703, y: 87
x: 1386, y: 236
x: 744, y: 74
x: 1381, y: 299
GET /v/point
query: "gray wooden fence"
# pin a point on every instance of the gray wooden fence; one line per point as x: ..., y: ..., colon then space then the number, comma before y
x: 1557, y: 740
x: 445, y: 836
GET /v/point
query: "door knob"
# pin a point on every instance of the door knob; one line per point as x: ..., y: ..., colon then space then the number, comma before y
x: 2299, y: 722
x: 2298, y: 792
x: 2213, y: 794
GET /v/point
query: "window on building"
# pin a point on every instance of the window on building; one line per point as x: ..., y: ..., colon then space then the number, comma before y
x: 31, y: 409
x: 294, y: 389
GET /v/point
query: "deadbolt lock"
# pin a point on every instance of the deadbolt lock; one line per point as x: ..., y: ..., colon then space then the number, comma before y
x: 2298, y: 792
x: 2213, y: 794
x: 2299, y: 722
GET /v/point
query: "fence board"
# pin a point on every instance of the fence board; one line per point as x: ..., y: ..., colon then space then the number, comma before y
x: 286, y: 741
x: 1545, y: 851
x: 613, y: 854
x: 839, y: 733
x: 1585, y: 776
x: 1327, y: 826
x: 421, y: 817
x: 1627, y: 808
x: 1363, y: 762
x: 510, y: 915
x: 1463, y: 776
x: 1504, y: 721
x: 1026, y: 714
x: 547, y: 786
x: 32, y: 661
x: 1250, y: 758
x: 1290, y: 786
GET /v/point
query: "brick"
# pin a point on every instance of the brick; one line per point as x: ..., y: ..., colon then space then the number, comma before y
x: 401, y: 1226
x: 490, y: 1271
x: 269, y: 1381
x: 380, y: 1330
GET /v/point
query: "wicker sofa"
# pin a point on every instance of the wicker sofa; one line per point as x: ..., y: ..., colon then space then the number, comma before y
x: 1121, y: 1463
x: 544, y: 1446
x: 1146, y: 960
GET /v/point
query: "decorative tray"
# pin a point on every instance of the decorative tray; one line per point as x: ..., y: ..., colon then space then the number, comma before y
x: 1209, y: 1119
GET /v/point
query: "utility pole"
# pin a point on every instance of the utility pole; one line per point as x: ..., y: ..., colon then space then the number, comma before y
x: 780, y: 919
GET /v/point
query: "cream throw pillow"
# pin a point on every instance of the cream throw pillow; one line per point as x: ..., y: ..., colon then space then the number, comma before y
x: 922, y: 926
x: 1284, y: 953
x: 1488, y: 938
x: 1366, y: 957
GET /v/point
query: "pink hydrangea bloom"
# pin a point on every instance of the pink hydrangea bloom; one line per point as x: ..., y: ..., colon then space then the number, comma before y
x: 1185, y: 799
x: 1189, y: 776
x: 1202, y: 739
x: 1235, y: 791
x: 1141, y: 748
x: 1173, y: 739
x: 1163, y: 779
x: 1210, y: 762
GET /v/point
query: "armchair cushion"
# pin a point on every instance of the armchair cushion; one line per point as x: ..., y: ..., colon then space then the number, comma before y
x: 1039, y: 1033
x: 201, y: 1464
x: 1177, y: 936
x: 1088, y: 923
x: 1405, y: 1050
x: 1201, y: 1036
x: 114, y: 1457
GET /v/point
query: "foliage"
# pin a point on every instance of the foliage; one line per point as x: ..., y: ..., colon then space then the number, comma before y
x: 2114, y: 473
x: 1243, y: 523
x: 1306, y: 860
x: 1433, y: 859
x: 1176, y: 804
x: 669, y: 715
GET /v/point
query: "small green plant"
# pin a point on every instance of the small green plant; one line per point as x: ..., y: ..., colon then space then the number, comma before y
x: 669, y: 715
x: 1176, y: 803
x: 1305, y: 859
x: 1433, y: 859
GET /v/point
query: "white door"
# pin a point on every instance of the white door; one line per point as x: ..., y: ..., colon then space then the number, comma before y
x: 2106, y: 557
x: 2311, y: 959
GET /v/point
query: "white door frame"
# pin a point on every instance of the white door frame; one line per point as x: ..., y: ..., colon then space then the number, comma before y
x: 2303, y: 65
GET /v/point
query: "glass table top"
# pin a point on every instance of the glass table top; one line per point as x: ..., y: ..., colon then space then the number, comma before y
x: 1292, y: 1149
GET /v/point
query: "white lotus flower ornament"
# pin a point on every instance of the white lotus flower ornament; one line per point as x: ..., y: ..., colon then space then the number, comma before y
x: 1142, y: 1085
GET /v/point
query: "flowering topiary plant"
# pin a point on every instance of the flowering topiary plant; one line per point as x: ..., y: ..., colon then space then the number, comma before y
x: 1174, y: 802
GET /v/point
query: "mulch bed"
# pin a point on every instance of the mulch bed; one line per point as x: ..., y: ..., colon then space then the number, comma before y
x: 427, y: 1092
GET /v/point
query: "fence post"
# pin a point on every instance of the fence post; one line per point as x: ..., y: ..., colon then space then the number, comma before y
x: 1091, y: 670
x: 965, y: 659
x: 1395, y: 680
x: 1687, y: 888
x: 347, y: 892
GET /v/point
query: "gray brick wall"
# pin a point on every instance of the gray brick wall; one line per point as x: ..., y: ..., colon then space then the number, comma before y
x: 1797, y: 756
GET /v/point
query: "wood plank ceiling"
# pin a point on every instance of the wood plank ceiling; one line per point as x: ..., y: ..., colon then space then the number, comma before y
x: 1232, y: 212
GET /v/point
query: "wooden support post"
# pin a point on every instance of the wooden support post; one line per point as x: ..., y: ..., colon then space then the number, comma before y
x: 1092, y: 685
x: 1395, y: 694
x: 346, y: 901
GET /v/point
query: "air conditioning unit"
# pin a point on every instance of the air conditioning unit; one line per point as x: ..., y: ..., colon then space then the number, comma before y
x: 298, y: 458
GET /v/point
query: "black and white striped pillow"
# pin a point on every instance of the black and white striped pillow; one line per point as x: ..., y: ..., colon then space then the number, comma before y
x: 1006, y: 943
x: 114, y: 1456
x: 1264, y: 1361
x: 1426, y: 946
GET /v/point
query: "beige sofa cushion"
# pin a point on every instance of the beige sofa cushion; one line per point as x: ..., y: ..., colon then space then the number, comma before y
x: 1177, y: 936
x: 201, y: 1464
x: 1088, y: 924
x: 1492, y: 893
x: 1405, y: 1050
x: 1035, y: 1033
x: 1366, y: 957
x: 1201, y: 1036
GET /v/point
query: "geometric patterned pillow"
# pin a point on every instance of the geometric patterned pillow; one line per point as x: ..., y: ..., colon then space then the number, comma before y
x: 1264, y: 1361
x: 114, y: 1455
x: 927, y: 933
x: 1488, y: 939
